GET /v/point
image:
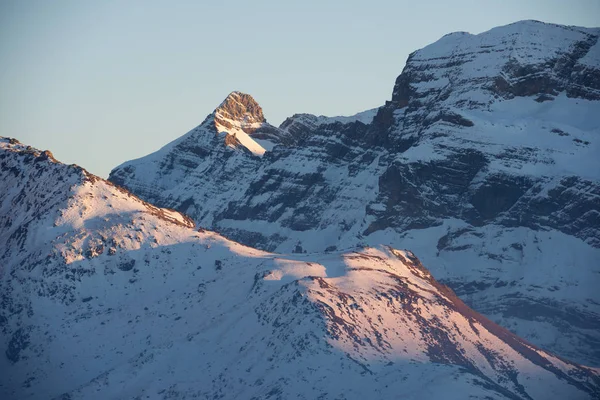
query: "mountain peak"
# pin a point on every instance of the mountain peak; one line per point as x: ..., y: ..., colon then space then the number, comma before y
x: 241, y: 118
x: 240, y: 107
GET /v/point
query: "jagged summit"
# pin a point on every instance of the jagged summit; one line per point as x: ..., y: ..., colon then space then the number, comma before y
x: 239, y: 117
x: 219, y: 152
x: 240, y: 107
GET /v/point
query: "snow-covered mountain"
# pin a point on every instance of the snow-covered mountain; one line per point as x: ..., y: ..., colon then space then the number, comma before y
x: 106, y: 296
x: 485, y: 163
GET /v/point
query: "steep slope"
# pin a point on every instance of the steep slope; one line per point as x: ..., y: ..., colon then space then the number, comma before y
x: 486, y: 153
x: 219, y: 156
x: 106, y: 296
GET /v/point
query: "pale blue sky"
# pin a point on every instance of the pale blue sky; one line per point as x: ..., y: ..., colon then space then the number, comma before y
x: 102, y: 82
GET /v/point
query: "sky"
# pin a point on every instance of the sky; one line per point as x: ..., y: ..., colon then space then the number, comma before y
x: 102, y: 82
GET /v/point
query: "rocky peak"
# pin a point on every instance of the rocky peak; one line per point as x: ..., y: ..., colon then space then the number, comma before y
x: 239, y: 107
x: 242, y: 121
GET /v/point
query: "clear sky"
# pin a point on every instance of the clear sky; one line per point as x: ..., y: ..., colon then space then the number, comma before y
x: 102, y: 82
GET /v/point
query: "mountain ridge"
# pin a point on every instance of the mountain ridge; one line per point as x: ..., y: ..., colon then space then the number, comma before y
x: 485, y: 156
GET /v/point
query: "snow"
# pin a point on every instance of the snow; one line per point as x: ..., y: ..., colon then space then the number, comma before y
x: 267, y: 145
x: 533, y: 280
x: 161, y: 302
x: 592, y: 57
x: 237, y: 132
x: 526, y: 41
x: 260, y: 200
x: 365, y: 117
x: 524, y: 123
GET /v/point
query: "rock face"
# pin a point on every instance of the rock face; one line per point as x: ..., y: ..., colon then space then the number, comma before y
x: 105, y: 295
x: 487, y: 153
x: 240, y: 107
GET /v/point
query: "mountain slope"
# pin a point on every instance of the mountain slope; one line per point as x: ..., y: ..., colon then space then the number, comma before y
x: 484, y: 161
x: 220, y: 156
x: 106, y: 296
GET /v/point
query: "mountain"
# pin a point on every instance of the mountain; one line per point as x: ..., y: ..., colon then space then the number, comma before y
x: 106, y: 296
x: 484, y: 162
x: 218, y: 155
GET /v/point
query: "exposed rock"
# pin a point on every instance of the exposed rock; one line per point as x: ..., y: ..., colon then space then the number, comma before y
x: 240, y: 107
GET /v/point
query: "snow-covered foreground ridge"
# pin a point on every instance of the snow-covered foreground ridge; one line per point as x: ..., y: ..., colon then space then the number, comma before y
x: 106, y: 296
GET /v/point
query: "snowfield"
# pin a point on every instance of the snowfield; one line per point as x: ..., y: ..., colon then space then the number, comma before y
x: 106, y: 296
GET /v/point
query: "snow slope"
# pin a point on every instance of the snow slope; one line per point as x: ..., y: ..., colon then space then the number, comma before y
x: 106, y: 296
